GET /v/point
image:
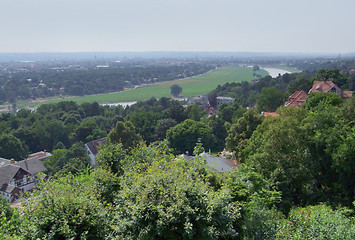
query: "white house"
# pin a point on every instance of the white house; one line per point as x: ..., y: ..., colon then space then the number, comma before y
x: 18, y: 177
x: 221, y: 100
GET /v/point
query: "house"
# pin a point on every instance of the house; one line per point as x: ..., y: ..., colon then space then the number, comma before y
x: 296, y: 99
x: 18, y: 177
x: 269, y: 114
x: 329, y: 87
x: 92, y: 149
x: 202, y: 99
x: 42, y: 155
x: 210, y: 111
x: 217, y: 163
x: 221, y: 100
x: 4, y: 162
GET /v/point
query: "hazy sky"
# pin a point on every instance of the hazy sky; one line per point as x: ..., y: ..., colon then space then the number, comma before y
x: 177, y: 25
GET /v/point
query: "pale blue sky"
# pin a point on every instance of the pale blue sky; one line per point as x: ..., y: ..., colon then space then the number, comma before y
x: 177, y: 25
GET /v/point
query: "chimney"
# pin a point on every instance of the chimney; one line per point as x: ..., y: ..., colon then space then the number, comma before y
x: 187, y: 153
x: 13, y: 160
x: 26, y: 163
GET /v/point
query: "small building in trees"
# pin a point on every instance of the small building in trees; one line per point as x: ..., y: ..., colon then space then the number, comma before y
x: 227, y: 100
x: 269, y: 114
x: 202, y: 99
x: 92, y: 149
x: 296, y: 99
x: 42, y: 155
x: 329, y: 87
x: 18, y: 177
x: 219, y: 164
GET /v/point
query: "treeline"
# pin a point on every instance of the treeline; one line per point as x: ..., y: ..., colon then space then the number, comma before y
x: 32, y: 84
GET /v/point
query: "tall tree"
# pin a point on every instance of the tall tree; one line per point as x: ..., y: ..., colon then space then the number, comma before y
x: 124, y: 133
x: 184, y: 136
x: 175, y: 90
x: 240, y: 132
x: 12, y: 147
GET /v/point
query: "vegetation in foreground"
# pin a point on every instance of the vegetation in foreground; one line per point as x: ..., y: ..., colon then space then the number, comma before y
x: 295, y: 179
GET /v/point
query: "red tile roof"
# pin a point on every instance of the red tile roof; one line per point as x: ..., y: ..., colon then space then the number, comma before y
x: 296, y: 99
x: 329, y: 86
x: 270, y: 114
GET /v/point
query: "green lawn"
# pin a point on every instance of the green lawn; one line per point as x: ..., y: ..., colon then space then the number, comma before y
x: 190, y: 87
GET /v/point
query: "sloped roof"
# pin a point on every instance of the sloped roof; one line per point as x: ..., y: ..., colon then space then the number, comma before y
x: 33, y: 165
x: 94, y: 145
x: 326, y: 86
x: 40, y: 155
x: 4, y: 162
x: 219, y: 163
x: 348, y: 94
x: 296, y: 99
x: 323, y: 86
x: 7, y: 173
x: 270, y: 114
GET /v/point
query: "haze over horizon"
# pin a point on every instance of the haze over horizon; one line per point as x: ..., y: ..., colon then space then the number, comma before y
x: 318, y: 26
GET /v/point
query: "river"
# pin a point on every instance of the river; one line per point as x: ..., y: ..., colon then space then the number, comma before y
x: 274, y: 72
x: 123, y: 104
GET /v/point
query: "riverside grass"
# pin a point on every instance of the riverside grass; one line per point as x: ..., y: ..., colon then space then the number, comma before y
x: 193, y: 86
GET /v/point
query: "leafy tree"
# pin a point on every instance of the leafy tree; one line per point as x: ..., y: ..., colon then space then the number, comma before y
x: 51, y: 132
x: 164, y: 202
x: 270, y: 99
x: 107, y: 184
x: 212, y: 99
x: 176, y: 112
x: 175, y: 90
x: 110, y: 157
x: 9, y: 221
x: 85, y: 129
x: 226, y: 111
x: 314, y: 99
x: 317, y: 222
x: 162, y: 127
x: 198, y: 149
x: 65, y: 208
x: 54, y: 163
x: 332, y: 146
x: 240, y: 132
x: 29, y: 137
x: 219, y: 131
x: 256, y: 198
x: 145, y: 124
x: 124, y: 133
x: 333, y: 75
x: 195, y: 112
x: 74, y: 160
x: 184, y: 136
x: 279, y: 150
x: 12, y: 147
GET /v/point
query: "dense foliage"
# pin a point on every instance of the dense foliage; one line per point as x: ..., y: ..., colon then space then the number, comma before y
x: 295, y: 177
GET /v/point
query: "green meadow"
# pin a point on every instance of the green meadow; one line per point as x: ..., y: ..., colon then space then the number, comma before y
x: 193, y: 86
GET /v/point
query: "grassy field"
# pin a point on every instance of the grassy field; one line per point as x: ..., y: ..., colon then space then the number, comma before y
x: 198, y: 85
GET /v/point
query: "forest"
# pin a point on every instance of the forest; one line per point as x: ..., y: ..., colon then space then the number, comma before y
x: 295, y: 177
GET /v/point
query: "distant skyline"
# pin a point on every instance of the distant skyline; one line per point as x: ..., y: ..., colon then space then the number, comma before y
x: 302, y: 26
